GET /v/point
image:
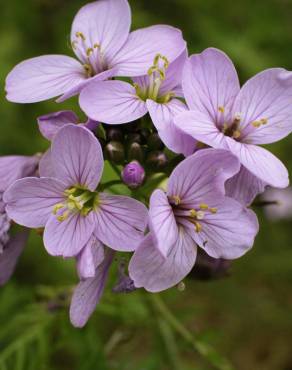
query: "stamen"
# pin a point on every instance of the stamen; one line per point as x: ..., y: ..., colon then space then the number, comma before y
x: 200, y: 215
x: 57, y: 207
x: 176, y: 199
x: 193, y: 213
x: 64, y: 216
x: 198, y: 227
x: 259, y: 123
x: 221, y: 109
x: 88, y: 70
x: 236, y: 134
x: 204, y: 206
x: 89, y: 51
x: 80, y: 34
x: 213, y: 210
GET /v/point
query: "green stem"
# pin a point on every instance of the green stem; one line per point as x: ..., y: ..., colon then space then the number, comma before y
x: 198, y: 345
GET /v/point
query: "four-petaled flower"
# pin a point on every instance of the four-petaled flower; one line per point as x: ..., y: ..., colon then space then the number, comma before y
x: 68, y: 204
x: 101, y: 40
x: 194, y: 212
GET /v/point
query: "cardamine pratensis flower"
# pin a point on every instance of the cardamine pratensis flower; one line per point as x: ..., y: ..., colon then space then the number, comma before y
x: 104, y: 47
x: 118, y: 102
x: 68, y: 204
x: 224, y: 116
x: 194, y: 212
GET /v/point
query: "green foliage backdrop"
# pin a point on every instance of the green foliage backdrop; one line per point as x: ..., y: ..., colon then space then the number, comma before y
x: 246, y: 317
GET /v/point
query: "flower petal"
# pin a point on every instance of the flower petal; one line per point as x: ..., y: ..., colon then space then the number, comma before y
x: 90, y: 258
x: 200, y: 178
x: 162, y: 222
x: 261, y: 163
x: 229, y: 233
x: 155, y: 273
x: 67, y: 238
x: 120, y: 222
x: 244, y: 187
x: 30, y: 201
x: 200, y: 127
x: 88, y: 293
x: 51, y: 123
x: 105, y: 23
x: 137, y: 55
x: 113, y: 102
x: 10, y: 255
x: 162, y: 116
x: 43, y: 78
x: 267, y: 96
x: 46, y: 168
x: 77, y: 157
x: 15, y: 167
x: 210, y: 84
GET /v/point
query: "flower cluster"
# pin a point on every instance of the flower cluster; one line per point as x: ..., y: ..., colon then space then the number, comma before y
x: 154, y: 114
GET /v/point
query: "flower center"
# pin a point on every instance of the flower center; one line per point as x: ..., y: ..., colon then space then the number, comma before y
x: 90, y: 54
x: 233, y: 129
x: 156, y: 76
x: 194, y: 215
x: 76, y: 200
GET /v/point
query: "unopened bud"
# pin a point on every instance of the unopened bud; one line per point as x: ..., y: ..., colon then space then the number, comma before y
x: 136, y: 152
x: 157, y: 160
x: 154, y: 142
x: 135, y: 137
x: 114, y: 134
x: 133, y: 175
x: 114, y: 152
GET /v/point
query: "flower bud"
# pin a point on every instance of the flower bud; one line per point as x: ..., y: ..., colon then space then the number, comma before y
x: 114, y: 152
x: 136, y: 152
x: 135, y: 137
x: 133, y: 175
x: 114, y: 134
x: 157, y: 160
x: 154, y: 142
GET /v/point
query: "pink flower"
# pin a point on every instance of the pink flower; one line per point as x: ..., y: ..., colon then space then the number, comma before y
x: 104, y: 47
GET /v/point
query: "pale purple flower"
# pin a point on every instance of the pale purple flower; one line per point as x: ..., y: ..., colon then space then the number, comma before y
x: 104, y: 47
x: 133, y: 174
x: 279, y: 203
x: 68, y: 204
x: 194, y: 212
x: 88, y: 292
x: 118, y: 102
x: 224, y: 116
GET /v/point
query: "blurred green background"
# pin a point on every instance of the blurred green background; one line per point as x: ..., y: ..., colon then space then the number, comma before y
x: 247, y: 317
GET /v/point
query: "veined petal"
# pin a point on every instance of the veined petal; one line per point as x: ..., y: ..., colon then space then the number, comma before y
x: 244, y: 186
x: 162, y: 116
x: 43, y: 78
x: 229, y: 233
x: 104, y: 24
x: 77, y: 157
x: 137, y: 55
x: 201, y: 177
x: 14, y: 167
x: 68, y: 237
x: 76, y: 89
x: 51, y: 123
x: 210, y: 84
x: 10, y: 255
x: 200, y: 127
x: 162, y: 222
x: 30, y: 201
x: 113, y: 102
x: 120, y: 222
x: 90, y: 258
x: 261, y: 163
x: 88, y: 293
x: 46, y: 168
x: 150, y: 270
x: 265, y: 105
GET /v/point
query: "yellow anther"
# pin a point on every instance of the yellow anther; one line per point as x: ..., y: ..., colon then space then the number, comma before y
x: 73, y: 44
x: 213, y: 210
x: 236, y: 134
x: 264, y: 121
x: 85, y: 211
x: 80, y: 34
x: 225, y: 127
x: 256, y: 124
x: 204, y: 206
x: 193, y: 213
x: 96, y: 46
x: 176, y: 199
x: 221, y: 109
x: 89, y: 51
x: 57, y: 207
x: 88, y: 70
x: 200, y: 215
x: 70, y: 191
x: 198, y: 227
x: 63, y: 217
